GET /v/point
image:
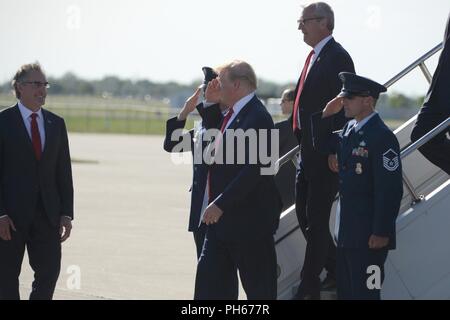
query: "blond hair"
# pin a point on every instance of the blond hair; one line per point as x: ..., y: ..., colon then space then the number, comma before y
x: 240, y: 70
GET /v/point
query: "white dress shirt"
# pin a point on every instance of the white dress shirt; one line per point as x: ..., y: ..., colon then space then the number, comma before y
x: 238, y: 107
x: 317, y: 49
x: 26, y: 116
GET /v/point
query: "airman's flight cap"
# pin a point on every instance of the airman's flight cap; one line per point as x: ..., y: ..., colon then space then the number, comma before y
x: 354, y: 85
x: 209, y: 74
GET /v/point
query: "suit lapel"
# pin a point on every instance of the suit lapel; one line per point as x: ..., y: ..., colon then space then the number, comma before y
x: 22, y: 130
x: 372, y: 122
x: 317, y: 63
x: 316, y: 66
x: 346, y: 143
x: 236, y: 123
x: 349, y: 143
x: 241, y: 115
x: 355, y: 139
x: 49, y: 131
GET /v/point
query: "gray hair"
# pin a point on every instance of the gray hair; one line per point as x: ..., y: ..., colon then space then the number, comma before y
x: 22, y: 73
x: 322, y: 9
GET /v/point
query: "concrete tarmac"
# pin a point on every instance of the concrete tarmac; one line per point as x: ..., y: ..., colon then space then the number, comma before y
x: 130, y: 238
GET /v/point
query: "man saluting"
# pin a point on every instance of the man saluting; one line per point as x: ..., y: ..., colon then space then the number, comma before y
x: 370, y: 184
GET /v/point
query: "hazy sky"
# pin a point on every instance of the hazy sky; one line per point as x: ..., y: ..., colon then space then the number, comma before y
x: 165, y: 40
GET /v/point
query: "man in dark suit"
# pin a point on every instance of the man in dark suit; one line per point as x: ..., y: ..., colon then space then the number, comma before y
x: 435, y: 110
x: 36, y: 192
x: 317, y: 181
x: 370, y: 188
x: 244, y: 205
x: 285, y: 178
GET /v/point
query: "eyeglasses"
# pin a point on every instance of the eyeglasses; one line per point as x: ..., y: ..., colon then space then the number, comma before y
x: 301, y: 22
x: 37, y: 84
x: 353, y: 96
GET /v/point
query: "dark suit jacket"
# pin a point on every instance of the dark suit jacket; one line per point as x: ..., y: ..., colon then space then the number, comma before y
x: 250, y: 201
x: 370, y: 180
x: 322, y: 84
x: 285, y: 178
x: 209, y: 115
x: 436, y: 107
x: 287, y: 137
x: 23, y: 178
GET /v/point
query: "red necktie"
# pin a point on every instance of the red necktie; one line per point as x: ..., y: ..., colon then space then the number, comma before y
x: 299, y: 91
x: 226, y: 119
x: 35, y: 136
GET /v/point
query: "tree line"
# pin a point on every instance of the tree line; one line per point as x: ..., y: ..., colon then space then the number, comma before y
x: 70, y: 84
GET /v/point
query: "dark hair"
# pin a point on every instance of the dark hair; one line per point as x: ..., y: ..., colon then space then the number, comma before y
x: 289, y: 94
x: 22, y: 73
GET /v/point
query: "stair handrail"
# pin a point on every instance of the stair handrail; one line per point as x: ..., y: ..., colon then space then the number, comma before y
x: 418, y: 63
x: 427, y: 137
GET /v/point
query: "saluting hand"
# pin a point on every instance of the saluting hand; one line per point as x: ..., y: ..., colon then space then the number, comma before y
x: 377, y: 242
x: 212, y: 93
x: 333, y: 107
x: 189, y: 105
x: 212, y: 214
x: 5, y: 225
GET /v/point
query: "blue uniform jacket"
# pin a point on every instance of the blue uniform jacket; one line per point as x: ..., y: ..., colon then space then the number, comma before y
x: 209, y: 115
x: 370, y: 179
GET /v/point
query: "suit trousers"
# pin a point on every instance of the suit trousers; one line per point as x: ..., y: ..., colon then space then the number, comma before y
x: 42, y: 241
x: 314, y: 199
x: 437, y: 150
x: 220, y: 261
x: 353, y: 273
x: 199, y: 238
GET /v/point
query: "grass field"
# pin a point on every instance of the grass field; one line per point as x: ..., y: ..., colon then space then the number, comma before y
x: 111, y: 115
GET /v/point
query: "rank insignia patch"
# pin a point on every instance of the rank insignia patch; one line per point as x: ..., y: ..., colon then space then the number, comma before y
x: 390, y: 160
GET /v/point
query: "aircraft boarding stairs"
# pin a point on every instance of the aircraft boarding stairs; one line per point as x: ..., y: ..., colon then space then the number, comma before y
x: 420, y: 266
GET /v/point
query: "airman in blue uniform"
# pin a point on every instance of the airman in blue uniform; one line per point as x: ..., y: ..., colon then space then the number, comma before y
x: 370, y: 185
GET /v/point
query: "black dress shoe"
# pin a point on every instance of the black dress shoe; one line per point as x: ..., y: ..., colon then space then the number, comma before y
x: 306, y: 294
x: 328, y: 284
